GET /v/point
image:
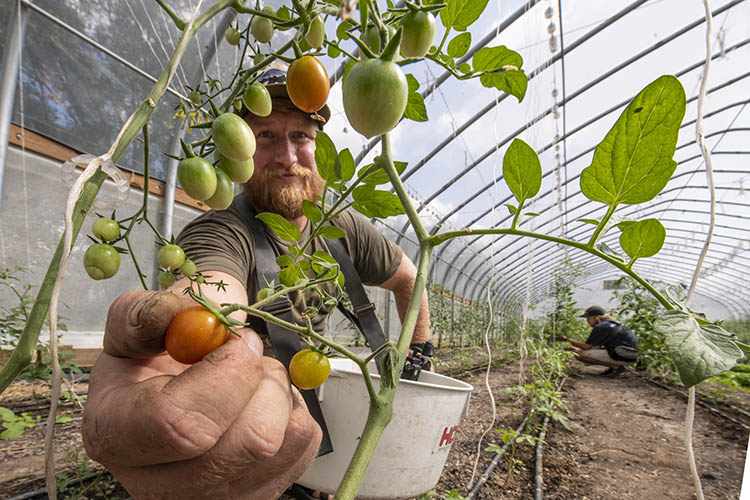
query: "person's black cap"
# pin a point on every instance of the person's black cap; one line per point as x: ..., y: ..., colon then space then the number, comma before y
x: 593, y: 311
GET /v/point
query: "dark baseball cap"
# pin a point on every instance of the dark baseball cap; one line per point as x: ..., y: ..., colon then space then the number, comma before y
x: 275, y: 81
x: 593, y: 311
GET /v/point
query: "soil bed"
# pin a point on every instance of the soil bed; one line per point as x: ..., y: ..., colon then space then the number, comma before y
x: 625, y: 442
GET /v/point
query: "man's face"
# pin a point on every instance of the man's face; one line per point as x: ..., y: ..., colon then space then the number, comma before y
x: 285, y: 172
x: 591, y: 320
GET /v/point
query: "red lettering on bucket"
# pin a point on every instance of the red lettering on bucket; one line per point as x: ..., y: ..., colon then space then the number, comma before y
x: 448, y: 434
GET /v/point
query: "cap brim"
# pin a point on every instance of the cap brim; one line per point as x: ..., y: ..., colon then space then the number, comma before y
x: 280, y: 90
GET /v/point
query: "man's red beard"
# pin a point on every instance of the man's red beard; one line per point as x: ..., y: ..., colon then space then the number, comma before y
x: 287, y: 199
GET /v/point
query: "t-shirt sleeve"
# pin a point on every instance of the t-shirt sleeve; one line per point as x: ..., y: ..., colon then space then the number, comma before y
x: 375, y: 257
x: 218, y: 241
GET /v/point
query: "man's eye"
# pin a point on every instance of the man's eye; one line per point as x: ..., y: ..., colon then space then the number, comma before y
x: 264, y: 134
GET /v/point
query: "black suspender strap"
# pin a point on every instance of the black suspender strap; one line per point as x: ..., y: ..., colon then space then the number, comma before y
x: 363, y: 315
x: 285, y: 342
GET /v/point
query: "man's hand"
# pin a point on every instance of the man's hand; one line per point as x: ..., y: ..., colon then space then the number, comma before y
x: 228, y: 427
x: 562, y: 337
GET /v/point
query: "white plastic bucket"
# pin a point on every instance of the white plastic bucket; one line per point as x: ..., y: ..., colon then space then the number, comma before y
x: 413, y: 449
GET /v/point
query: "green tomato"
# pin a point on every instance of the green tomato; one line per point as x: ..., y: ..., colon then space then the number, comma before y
x: 233, y: 137
x: 375, y: 96
x: 418, y: 33
x: 170, y: 257
x: 197, y: 178
x: 371, y: 37
x: 101, y: 261
x: 224, y: 194
x: 106, y: 229
x: 188, y: 268
x: 195, y: 97
x: 316, y: 34
x: 238, y: 171
x: 261, y: 27
x: 257, y: 99
x: 232, y: 36
x: 259, y: 58
x: 166, y: 279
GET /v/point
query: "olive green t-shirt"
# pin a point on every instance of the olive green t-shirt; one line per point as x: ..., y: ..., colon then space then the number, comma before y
x: 220, y: 240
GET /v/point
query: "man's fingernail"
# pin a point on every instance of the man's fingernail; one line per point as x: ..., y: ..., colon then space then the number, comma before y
x: 253, y: 342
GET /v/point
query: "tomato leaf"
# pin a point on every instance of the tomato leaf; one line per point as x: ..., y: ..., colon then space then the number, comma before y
x: 459, y: 45
x: 377, y: 175
x: 346, y: 165
x: 590, y: 221
x: 325, y: 156
x: 333, y: 50
x: 464, y: 68
x: 284, y: 260
x: 331, y: 232
x: 699, y: 351
x: 496, y: 58
x: 460, y: 14
x: 415, y: 108
x: 288, y: 276
x: 634, y: 161
x: 311, y: 211
x: 522, y: 170
x: 371, y: 202
x: 286, y: 230
x: 643, y: 238
x: 511, y: 208
x: 341, y: 30
x: 513, y: 82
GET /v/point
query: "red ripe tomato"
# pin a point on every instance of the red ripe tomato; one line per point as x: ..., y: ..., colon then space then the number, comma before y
x: 307, y: 83
x: 308, y: 369
x: 193, y: 333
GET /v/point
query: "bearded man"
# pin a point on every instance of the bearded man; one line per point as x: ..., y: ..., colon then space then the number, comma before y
x: 231, y: 426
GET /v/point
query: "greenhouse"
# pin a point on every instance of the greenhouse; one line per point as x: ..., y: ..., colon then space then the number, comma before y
x: 497, y: 249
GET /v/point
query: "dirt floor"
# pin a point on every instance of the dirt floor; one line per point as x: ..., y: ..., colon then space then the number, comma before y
x: 625, y: 441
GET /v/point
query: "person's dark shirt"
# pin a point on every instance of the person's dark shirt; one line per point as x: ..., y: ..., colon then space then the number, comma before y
x: 611, y: 334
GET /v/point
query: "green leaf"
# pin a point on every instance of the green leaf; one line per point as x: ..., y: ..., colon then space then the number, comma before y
x: 590, y: 221
x: 325, y: 156
x: 375, y: 203
x: 460, y: 14
x: 341, y: 30
x: 284, y: 260
x: 333, y: 50
x: 412, y: 82
x: 311, y: 211
x: 288, y: 276
x: 531, y: 214
x: 511, y: 208
x: 346, y: 165
x: 511, y: 81
x: 459, y: 45
x: 62, y: 419
x: 6, y: 414
x: 286, y: 230
x: 415, y: 108
x: 522, y: 170
x: 331, y: 232
x: 634, y: 161
x: 643, y: 238
x: 699, y: 351
x: 377, y: 175
x: 677, y: 295
x: 496, y: 58
x: 464, y: 68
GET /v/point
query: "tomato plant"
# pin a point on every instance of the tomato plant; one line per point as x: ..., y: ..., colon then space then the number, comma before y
x: 197, y: 177
x: 106, y: 229
x: 101, y: 261
x: 308, y: 369
x: 195, y: 97
x: 316, y: 34
x: 222, y: 197
x: 307, y: 83
x: 193, y: 333
x: 257, y: 99
x: 371, y: 37
x: 170, y: 256
x: 261, y: 27
x: 238, y: 171
x: 418, y: 33
x: 375, y: 96
x: 233, y: 137
x: 232, y: 36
